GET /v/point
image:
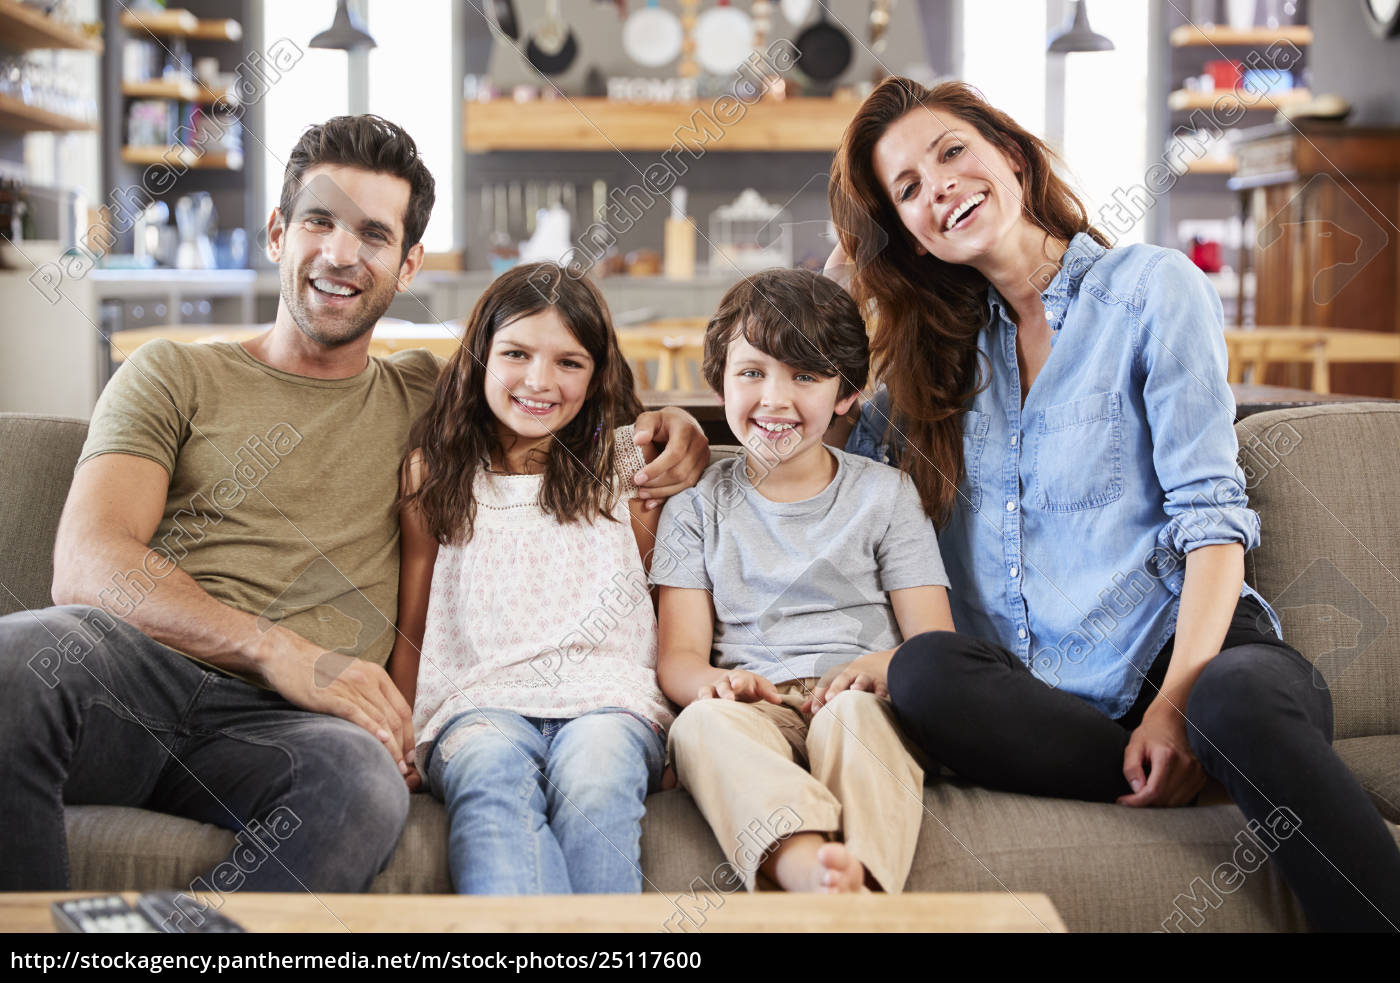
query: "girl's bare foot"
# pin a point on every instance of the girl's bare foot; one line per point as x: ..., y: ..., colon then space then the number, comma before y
x: 840, y: 871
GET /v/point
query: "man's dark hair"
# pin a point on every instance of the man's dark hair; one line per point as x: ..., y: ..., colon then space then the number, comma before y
x: 374, y: 144
x: 796, y: 316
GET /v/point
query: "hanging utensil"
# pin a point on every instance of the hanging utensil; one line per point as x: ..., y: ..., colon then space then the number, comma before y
x: 600, y: 202
x: 476, y: 49
x: 552, y: 47
x: 505, y: 18
x: 823, y: 50
x: 516, y: 219
x: 723, y: 38
x: 569, y: 199
x: 652, y: 36
x: 688, y: 69
x: 879, y: 24
x: 796, y: 11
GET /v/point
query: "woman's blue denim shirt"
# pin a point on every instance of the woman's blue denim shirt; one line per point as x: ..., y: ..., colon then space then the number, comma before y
x: 1067, y: 543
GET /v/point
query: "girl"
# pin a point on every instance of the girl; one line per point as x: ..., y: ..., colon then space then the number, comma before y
x: 1063, y: 409
x: 538, y: 716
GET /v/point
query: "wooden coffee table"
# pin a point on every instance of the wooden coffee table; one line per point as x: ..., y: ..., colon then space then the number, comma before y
x: 738, y: 912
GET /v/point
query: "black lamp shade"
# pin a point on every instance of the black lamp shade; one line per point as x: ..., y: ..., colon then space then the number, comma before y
x: 1077, y: 35
x: 345, y: 33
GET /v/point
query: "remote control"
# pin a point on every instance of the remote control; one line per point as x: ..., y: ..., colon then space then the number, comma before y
x: 109, y: 914
x: 161, y: 908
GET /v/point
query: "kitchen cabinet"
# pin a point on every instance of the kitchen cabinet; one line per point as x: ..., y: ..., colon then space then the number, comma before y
x: 1325, y: 201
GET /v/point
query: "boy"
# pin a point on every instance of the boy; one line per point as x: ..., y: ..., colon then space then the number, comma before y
x: 779, y: 566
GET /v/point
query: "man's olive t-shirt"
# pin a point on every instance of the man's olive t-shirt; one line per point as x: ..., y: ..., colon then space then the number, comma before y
x: 281, y: 486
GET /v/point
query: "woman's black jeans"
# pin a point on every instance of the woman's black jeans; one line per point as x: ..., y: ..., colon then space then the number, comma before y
x: 1259, y: 719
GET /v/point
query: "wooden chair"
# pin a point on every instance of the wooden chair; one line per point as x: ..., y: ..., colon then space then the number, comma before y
x: 1259, y: 348
x: 677, y: 355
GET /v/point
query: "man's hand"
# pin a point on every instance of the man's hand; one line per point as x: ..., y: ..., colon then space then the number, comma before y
x: 350, y: 688
x: 839, y: 267
x: 1174, y: 776
x: 741, y: 686
x: 684, y: 454
x: 868, y: 674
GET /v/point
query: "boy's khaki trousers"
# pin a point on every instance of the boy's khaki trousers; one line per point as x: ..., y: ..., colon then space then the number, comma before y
x: 746, y: 765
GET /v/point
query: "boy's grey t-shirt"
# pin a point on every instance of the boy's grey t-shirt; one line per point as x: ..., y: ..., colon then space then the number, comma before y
x: 799, y: 587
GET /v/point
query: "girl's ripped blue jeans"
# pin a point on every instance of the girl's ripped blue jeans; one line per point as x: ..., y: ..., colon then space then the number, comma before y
x: 546, y: 806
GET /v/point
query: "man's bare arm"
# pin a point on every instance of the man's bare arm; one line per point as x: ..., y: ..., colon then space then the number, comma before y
x: 114, y: 507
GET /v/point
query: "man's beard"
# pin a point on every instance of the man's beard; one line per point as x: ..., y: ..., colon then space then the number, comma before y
x: 333, y: 331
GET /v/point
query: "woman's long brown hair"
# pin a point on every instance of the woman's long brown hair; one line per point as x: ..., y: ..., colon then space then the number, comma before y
x: 457, y: 435
x: 928, y: 313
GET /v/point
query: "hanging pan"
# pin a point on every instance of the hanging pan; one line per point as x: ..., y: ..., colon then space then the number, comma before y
x: 552, y: 48
x: 823, y: 50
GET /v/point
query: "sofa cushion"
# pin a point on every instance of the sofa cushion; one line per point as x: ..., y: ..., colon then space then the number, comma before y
x: 1320, y: 477
x: 1375, y: 761
x: 1105, y: 867
x: 39, y: 454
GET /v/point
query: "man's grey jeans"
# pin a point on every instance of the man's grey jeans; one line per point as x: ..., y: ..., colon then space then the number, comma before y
x: 92, y: 711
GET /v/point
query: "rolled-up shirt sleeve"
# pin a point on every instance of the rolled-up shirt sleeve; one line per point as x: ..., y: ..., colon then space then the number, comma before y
x: 1181, y: 349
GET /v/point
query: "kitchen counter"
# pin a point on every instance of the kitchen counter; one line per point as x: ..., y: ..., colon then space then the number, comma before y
x: 250, y: 296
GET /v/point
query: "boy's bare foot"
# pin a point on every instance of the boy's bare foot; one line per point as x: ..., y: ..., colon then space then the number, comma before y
x: 806, y: 862
x: 840, y: 871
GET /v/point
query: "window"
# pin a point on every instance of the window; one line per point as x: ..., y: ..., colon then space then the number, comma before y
x: 1105, y: 124
x: 1104, y: 144
x: 311, y: 92
x: 1003, y: 55
x: 409, y: 82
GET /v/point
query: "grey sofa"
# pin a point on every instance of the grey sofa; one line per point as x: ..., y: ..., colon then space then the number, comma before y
x: 1322, y: 478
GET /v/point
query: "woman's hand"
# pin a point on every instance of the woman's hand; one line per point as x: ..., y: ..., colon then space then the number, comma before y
x: 685, y: 453
x: 867, y: 674
x: 1174, y: 776
x: 741, y: 686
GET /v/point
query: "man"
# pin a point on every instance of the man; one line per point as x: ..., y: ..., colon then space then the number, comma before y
x: 227, y: 560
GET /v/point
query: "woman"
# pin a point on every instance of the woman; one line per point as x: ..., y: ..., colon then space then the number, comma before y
x: 1063, y: 409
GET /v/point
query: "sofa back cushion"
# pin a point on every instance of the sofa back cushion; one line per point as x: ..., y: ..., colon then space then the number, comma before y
x: 38, y: 453
x: 1323, y: 481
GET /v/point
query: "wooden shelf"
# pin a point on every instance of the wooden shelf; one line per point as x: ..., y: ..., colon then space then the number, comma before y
x: 158, y: 89
x: 219, y: 161
x: 19, y: 117
x: 187, y: 91
x: 217, y: 30
x: 1185, y: 99
x: 24, y: 28
x: 159, y: 155
x: 1191, y: 36
x: 182, y: 24
x: 183, y: 156
x: 604, y: 124
x: 1208, y: 166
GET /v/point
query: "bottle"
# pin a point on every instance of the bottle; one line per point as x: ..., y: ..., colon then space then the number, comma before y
x: 680, y: 240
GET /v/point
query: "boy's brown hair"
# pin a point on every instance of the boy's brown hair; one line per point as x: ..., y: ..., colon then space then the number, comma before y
x: 800, y: 318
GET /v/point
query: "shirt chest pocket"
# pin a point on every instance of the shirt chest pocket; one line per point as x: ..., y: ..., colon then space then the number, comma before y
x: 974, y: 427
x: 1079, y: 454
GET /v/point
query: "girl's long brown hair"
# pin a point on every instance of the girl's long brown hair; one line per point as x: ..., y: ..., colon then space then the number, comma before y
x: 457, y: 434
x: 928, y: 313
